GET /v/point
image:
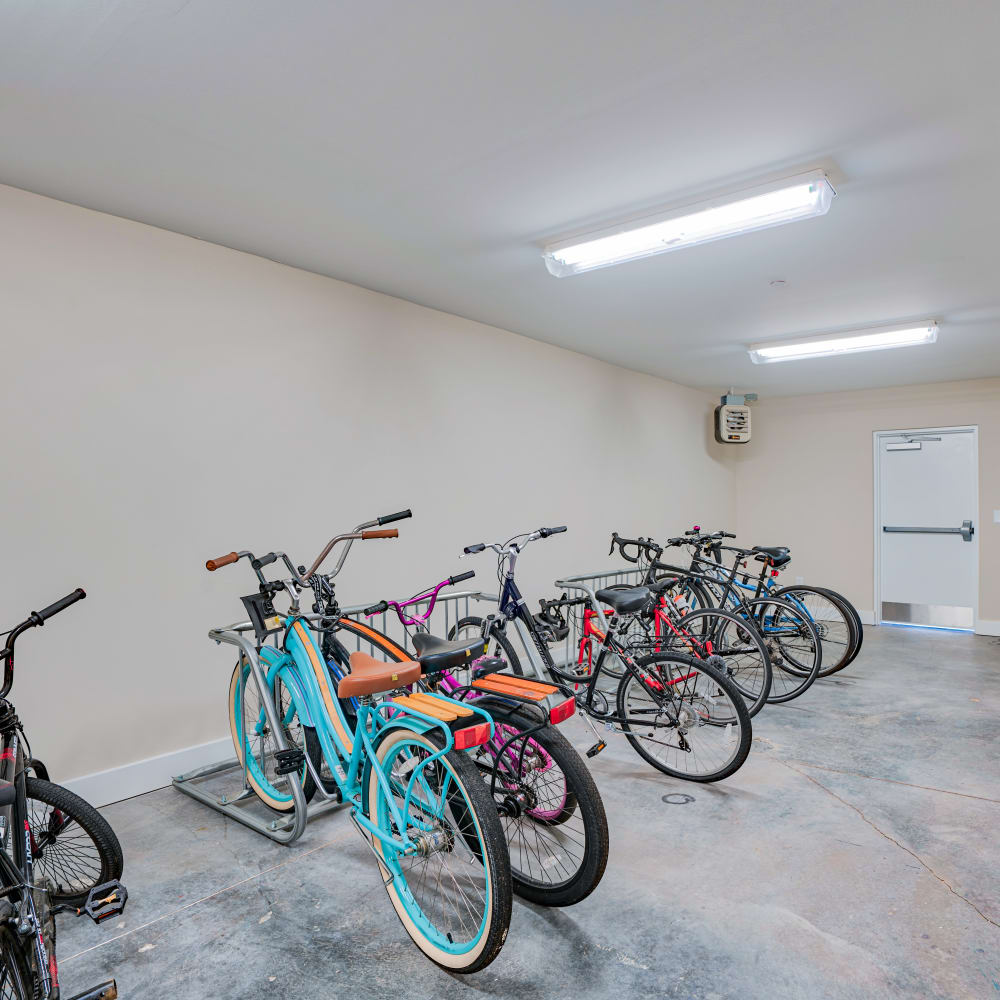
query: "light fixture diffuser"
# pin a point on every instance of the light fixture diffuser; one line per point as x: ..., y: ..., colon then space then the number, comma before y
x: 828, y: 345
x: 800, y: 197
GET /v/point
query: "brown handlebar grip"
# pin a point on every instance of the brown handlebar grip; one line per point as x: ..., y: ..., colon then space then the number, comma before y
x: 382, y: 533
x: 214, y: 564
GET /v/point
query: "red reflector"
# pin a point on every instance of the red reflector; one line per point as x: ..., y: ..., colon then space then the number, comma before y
x: 774, y: 572
x: 562, y: 711
x: 472, y: 736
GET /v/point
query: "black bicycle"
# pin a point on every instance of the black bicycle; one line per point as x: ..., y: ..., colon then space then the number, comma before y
x: 791, y: 638
x: 682, y: 715
x: 57, y: 853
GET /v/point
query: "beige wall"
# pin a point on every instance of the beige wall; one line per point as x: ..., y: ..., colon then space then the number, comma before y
x: 805, y: 479
x: 166, y: 400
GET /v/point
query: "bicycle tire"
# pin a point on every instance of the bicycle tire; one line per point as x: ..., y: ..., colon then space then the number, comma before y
x: 783, y: 664
x: 859, y: 625
x: 16, y: 980
x: 65, y: 817
x: 265, y: 782
x: 752, y: 674
x: 474, y: 626
x: 475, y: 812
x: 698, y: 712
x: 542, y: 841
x: 837, y: 650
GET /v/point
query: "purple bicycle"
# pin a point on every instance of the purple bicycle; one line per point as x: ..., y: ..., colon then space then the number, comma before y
x: 550, y: 808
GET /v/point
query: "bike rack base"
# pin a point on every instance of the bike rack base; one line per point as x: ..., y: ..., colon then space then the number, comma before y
x: 277, y: 827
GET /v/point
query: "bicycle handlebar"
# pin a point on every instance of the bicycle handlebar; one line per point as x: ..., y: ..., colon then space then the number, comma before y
x: 213, y: 564
x: 398, y: 516
x: 513, y: 545
x: 384, y: 533
x: 61, y: 605
x: 430, y: 596
x: 34, y: 619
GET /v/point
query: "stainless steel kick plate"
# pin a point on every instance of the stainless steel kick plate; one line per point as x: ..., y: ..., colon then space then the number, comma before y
x: 939, y: 615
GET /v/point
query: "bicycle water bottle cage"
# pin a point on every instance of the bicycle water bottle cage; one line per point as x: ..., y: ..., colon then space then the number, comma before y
x: 288, y: 761
x: 106, y: 900
x: 263, y: 617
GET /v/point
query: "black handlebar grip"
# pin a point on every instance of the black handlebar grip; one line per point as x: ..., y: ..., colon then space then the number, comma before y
x: 264, y: 560
x: 61, y: 605
x: 727, y: 534
x: 461, y: 576
x: 398, y: 516
x: 556, y: 531
x: 470, y: 549
x: 377, y: 609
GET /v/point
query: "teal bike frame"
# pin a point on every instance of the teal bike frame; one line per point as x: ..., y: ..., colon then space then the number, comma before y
x: 348, y: 750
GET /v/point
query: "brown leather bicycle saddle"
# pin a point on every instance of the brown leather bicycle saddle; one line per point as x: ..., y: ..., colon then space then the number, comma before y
x: 371, y: 676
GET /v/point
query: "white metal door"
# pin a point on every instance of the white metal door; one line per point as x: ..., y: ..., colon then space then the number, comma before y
x: 927, y: 503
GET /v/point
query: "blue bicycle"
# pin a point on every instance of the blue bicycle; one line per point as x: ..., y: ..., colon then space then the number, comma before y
x: 417, y: 800
x: 835, y: 619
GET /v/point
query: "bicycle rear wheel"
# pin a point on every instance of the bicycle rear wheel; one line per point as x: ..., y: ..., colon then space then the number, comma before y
x: 550, y: 809
x: 453, y: 896
x: 684, y: 717
x: 834, y: 624
x: 73, y: 846
x: 859, y: 629
x: 739, y: 645
x: 793, y: 644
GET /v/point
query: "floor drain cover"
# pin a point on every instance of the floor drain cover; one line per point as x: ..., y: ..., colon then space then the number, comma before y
x: 678, y: 799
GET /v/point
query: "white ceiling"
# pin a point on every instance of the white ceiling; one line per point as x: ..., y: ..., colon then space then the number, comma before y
x: 425, y: 148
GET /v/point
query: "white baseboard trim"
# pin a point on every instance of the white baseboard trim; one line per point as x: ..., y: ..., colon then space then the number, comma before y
x: 117, y: 783
x: 867, y: 617
x: 985, y: 627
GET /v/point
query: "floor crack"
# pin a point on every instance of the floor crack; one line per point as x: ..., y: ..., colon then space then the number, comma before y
x: 893, y: 781
x: 892, y: 840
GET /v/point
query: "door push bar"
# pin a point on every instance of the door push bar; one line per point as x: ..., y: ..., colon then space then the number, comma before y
x: 966, y: 531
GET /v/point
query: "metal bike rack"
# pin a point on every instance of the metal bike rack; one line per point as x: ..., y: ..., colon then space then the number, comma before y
x: 587, y: 584
x: 241, y: 803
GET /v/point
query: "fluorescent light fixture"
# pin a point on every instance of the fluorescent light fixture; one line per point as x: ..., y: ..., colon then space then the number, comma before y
x: 827, y: 345
x: 800, y: 197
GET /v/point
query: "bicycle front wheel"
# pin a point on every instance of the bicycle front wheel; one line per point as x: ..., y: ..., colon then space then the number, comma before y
x: 684, y: 717
x: 453, y: 896
x: 471, y: 628
x: 15, y: 977
x: 551, y: 811
x: 739, y: 645
x: 73, y: 846
x: 255, y: 744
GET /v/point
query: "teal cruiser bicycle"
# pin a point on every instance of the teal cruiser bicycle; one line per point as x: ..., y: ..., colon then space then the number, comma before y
x: 397, y: 758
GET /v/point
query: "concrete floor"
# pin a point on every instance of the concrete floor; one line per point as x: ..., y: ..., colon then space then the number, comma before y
x: 854, y: 855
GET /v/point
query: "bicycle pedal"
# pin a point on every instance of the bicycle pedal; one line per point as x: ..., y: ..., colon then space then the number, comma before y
x: 288, y: 761
x: 106, y: 991
x: 107, y: 900
x: 596, y: 748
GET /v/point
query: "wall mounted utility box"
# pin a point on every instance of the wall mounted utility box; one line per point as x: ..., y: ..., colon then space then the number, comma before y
x: 732, y: 419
